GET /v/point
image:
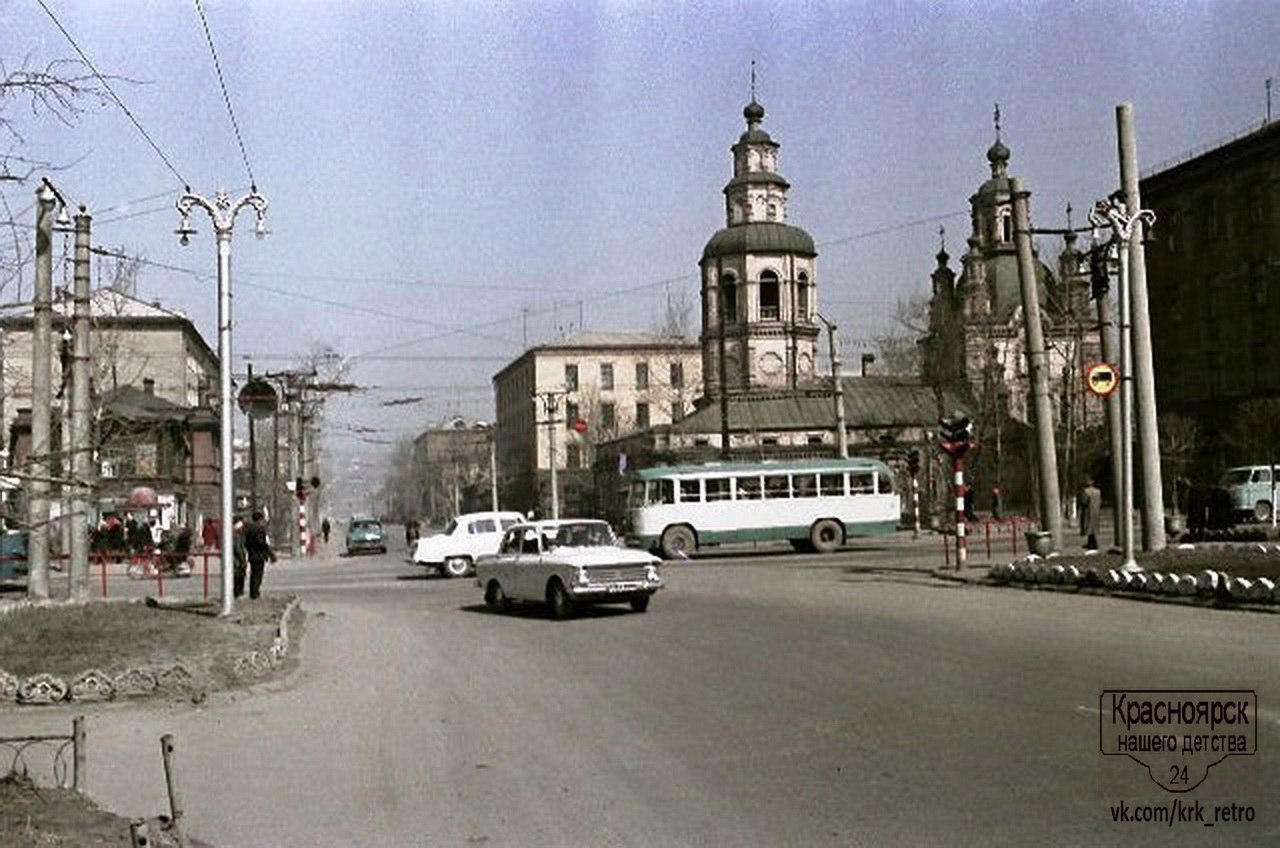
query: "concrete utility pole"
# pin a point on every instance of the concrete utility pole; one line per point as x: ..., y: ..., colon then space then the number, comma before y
x: 1037, y: 366
x: 550, y: 407
x: 81, y: 458
x: 222, y: 213
x: 837, y: 386
x: 1144, y: 386
x: 41, y: 399
x: 295, y: 404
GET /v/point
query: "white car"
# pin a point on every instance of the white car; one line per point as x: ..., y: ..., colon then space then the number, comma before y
x: 567, y: 563
x: 467, y: 538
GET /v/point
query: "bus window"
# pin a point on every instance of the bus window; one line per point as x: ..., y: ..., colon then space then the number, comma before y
x: 884, y: 484
x: 804, y: 486
x: 777, y: 486
x: 862, y: 483
x: 690, y: 491
x: 831, y: 485
x: 717, y: 488
x: 748, y: 488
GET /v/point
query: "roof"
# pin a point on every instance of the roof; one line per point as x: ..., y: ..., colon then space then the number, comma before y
x: 135, y: 404
x: 756, y: 178
x: 876, y: 401
x: 763, y: 467
x: 105, y: 303
x: 759, y: 237
x: 590, y: 339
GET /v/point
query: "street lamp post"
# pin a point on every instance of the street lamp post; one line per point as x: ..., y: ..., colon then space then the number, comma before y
x: 1114, y: 213
x: 222, y: 212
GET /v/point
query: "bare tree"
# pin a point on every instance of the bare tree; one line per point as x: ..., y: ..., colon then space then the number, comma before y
x: 61, y: 89
x: 898, y: 351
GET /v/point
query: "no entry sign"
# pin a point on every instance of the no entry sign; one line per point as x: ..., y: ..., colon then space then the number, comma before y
x: 1102, y: 379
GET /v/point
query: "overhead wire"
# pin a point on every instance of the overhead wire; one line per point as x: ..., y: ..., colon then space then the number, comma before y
x: 217, y: 66
x: 106, y: 85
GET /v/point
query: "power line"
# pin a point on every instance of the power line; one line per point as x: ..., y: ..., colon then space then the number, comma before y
x: 111, y: 91
x: 217, y: 66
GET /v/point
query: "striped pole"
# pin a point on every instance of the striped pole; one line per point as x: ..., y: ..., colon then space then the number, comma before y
x: 302, y: 527
x: 959, y: 490
x: 915, y: 505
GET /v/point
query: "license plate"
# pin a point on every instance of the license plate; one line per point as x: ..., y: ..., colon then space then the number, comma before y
x: 623, y: 587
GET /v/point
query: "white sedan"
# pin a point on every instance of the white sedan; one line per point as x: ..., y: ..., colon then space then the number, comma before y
x: 567, y: 563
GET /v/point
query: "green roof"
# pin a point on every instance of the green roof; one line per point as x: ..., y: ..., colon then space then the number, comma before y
x: 759, y: 237
x: 757, y: 178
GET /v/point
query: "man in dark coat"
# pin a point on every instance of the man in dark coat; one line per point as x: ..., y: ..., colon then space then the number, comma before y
x: 258, y: 549
x: 1090, y: 513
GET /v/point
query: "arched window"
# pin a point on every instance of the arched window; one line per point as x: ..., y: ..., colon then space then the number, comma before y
x: 772, y: 212
x: 1006, y: 226
x: 802, y: 297
x: 768, y: 296
x: 729, y: 300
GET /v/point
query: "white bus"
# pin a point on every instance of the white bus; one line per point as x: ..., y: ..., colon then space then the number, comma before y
x: 816, y: 504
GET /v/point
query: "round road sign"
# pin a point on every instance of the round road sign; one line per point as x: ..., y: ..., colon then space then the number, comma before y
x: 1102, y: 379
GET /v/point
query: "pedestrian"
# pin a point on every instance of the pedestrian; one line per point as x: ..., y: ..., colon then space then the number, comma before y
x: 257, y: 548
x: 1090, y: 503
x: 240, y: 557
x: 209, y: 534
x: 157, y: 535
x: 324, y: 529
x: 995, y: 503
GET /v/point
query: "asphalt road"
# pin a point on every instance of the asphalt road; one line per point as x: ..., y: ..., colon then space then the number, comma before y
x: 776, y: 700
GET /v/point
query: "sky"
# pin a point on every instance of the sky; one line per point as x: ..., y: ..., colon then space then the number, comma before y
x: 451, y: 183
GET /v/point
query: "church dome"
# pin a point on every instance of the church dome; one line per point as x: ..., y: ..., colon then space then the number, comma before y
x: 759, y: 237
x: 998, y: 153
x: 753, y: 112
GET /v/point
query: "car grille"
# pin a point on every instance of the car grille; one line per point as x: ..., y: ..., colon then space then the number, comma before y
x: 617, y: 573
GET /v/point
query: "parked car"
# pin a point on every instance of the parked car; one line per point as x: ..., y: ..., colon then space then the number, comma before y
x: 468, y: 537
x: 13, y: 557
x: 567, y: 563
x: 365, y: 536
x: 1248, y: 487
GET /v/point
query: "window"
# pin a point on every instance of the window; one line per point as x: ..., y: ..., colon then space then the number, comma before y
x: 572, y: 456
x: 690, y: 491
x: 862, y: 483
x: 814, y: 439
x: 772, y: 213
x: 717, y: 488
x: 884, y: 484
x: 608, y: 417
x: 831, y: 484
x: 529, y: 545
x: 768, y: 296
x: 729, y: 301
x: 483, y: 525
x: 677, y: 409
x: 662, y: 492
x: 677, y: 375
x: 1006, y: 226
x: 571, y: 377
x: 777, y: 486
x: 748, y: 488
x: 802, y: 298
x: 642, y: 375
x: 642, y: 415
x: 804, y: 486
x: 606, y: 375
x: 571, y: 415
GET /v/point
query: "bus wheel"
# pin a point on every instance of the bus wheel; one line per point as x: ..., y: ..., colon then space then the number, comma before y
x: 826, y: 535
x: 678, y: 542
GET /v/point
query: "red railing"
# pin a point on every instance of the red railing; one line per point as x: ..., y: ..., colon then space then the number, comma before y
x: 1014, y: 524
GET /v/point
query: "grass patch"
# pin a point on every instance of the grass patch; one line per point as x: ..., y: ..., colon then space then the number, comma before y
x: 65, y: 640
x: 1237, y: 560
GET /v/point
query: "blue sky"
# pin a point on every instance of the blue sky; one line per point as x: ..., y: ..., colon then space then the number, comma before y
x: 452, y: 181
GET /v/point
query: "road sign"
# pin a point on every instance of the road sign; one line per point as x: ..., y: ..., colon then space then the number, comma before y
x: 580, y: 426
x: 1102, y: 379
x: 258, y: 399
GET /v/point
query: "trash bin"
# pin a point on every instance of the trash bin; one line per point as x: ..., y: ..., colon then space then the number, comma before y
x: 1039, y: 542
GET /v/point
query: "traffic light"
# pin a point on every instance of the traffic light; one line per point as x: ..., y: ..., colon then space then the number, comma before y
x: 1099, y: 272
x: 913, y: 461
x: 955, y: 434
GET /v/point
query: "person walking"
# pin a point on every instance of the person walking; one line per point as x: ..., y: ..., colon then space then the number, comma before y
x: 324, y: 529
x: 258, y: 549
x: 240, y: 556
x: 1090, y: 503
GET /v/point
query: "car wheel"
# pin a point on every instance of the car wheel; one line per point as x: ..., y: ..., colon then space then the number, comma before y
x: 558, y: 600
x: 826, y: 535
x: 1262, y: 511
x: 678, y: 542
x: 495, y: 598
x: 640, y: 604
x: 457, y: 566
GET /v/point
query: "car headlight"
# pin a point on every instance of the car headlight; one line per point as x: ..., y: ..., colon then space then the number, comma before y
x: 582, y: 577
x: 653, y: 574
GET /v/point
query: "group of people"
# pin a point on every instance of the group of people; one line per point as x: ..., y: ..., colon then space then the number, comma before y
x: 127, y: 536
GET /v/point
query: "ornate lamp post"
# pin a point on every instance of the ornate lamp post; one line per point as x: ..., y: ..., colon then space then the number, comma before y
x: 222, y: 212
x: 1113, y: 212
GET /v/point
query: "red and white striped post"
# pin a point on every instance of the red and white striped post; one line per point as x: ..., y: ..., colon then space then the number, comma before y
x: 961, y: 547
x: 303, y: 542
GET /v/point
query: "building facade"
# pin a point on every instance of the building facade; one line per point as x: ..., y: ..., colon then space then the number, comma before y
x: 1213, y: 277
x: 455, y: 467
x: 559, y: 399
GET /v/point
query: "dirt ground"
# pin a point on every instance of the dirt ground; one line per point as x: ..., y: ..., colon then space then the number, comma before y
x: 54, y: 640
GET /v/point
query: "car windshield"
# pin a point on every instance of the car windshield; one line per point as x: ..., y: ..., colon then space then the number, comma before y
x: 453, y: 525
x: 1235, y: 476
x: 583, y: 534
x: 366, y: 529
